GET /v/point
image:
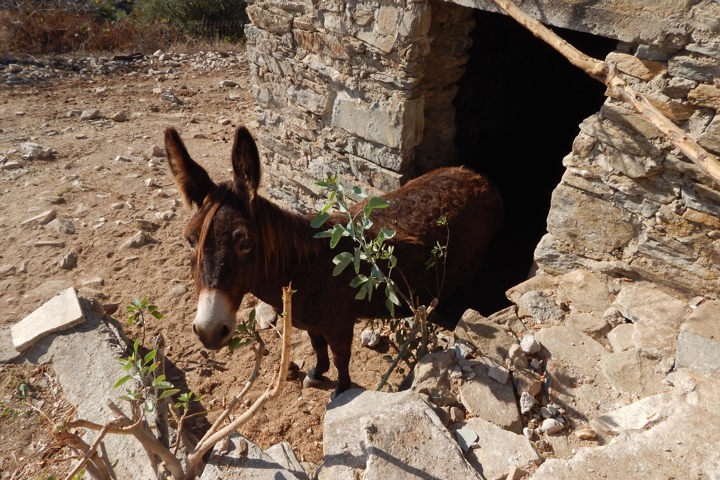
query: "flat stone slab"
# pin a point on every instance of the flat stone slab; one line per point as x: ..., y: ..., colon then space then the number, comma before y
x: 388, y: 436
x: 491, y: 400
x: 638, y: 415
x: 59, y: 313
x: 645, y: 302
x: 244, y: 460
x: 497, y: 451
x: 570, y: 345
x: 698, y: 344
x: 680, y: 447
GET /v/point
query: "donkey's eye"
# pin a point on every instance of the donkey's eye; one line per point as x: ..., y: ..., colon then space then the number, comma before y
x: 242, y: 243
x: 192, y: 241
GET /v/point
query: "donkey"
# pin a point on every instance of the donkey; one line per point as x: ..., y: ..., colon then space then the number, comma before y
x: 243, y: 243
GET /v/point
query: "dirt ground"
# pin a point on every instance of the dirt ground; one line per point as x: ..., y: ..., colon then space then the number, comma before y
x: 108, y: 201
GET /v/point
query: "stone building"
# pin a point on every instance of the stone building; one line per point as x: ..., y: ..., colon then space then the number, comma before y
x: 383, y: 91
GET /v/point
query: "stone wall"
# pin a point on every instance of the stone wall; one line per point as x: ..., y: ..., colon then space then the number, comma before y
x: 366, y: 89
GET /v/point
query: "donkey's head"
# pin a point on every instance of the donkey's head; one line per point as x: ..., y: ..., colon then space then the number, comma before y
x: 222, y: 233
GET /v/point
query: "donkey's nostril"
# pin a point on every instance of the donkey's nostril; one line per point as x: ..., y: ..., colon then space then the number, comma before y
x: 224, y: 331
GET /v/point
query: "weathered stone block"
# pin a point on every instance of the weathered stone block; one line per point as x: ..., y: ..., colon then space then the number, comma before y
x: 643, y: 69
x: 710, y: 139
x: 59, y: 313
x: 495, y: 402
x: 583, y: 220
x: 698, y: 346
x: 695, y: 67
x: 378, y: 435
x: 631, y: 373
x: 498, y: 451
x: 705, y: 95
x: 395, y: 122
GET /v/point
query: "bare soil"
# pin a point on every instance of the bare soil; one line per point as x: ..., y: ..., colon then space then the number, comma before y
x: 109, y: 201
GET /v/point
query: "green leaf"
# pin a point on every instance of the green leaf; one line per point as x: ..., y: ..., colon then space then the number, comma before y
x: 362, y: 292
x: 156, y: 314
x: 391, y: 295
x: 319, y: 219
x: 341, y: 261
x: 150, y: 356
x: 122, y: 381
x: 384, y: 234
x: 358, y: 280
x: 324, y: 234
x: 374, y: 203
x: 359, y: 192
x: 322, y: 183
x: 356, y: 260
x: 168, y: 393
x: 390, y: 306
x: 338, y: 232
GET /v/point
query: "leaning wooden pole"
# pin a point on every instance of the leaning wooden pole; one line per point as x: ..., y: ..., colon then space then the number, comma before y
x: 617, y: 88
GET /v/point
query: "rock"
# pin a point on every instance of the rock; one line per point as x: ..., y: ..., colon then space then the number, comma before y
x: 674, y: 448
x: 40, y: 219
x: 62, y: 225
x: 527, y: 381
x: 631, y: 373
x: 7, y: 270
x: 540, y: 306
x: 224, y: 121
x: 119, y: 117
x: 620, y: 337
x: 516, y: 357
x: 90, y: 114
x: 168, y: 96
x: 34, y: 151
x: 497, y: 450
x: 246, y: 460
x: 93, y: 282
x: 591, y: 324
x: 530, y: 345
x: 485, y: 336
x: 644, y: 301
x: 49, y: 243
x: 138, y: 240
x: 69, y: 261
x: 571, y: 346
x: 378, y: 435
x: 157, y: 151
x: 265, y: 316
x: 584, y: 291
x: 59, y: 313
x: 283, y: 454
x: 177, y: 291
x: 493, y: 401
x: 165, y: 216
x: 431, y: 377
x: 227, y: 84
x: 698, y: 344
x: 369, y: 337
x: 639, y: 415
x: 527, y: 402
x: 551, y: 426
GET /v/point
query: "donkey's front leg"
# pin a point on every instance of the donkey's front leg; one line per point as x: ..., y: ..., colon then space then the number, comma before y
x: 322, y: 363
x: 341, y: 346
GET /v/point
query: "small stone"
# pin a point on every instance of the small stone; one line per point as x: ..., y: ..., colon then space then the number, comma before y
x: 62, y: 225
x: 369, y: 337
x: 123, y: 158
x: 137, y: 240
x: 34, y: 151
x: 265, y: 316
x: 228, y: 84
x: 550, y: 426
x: 49, y: 243
x: 457, y: 414
x: 516, y: 357
x: 69, y: 261
x: 466, y: 438
x: 527, y: 402
x: 93, y: 282
x: 528, y: 432
x: 165, y: 216
x: 177, y: 291
x: 462, y: 351
x: 151, y: 183
x: 40, y: 219
x: 7, y: 270
x: 224, y: 121
x: 157, y: 151
x: 586, y: 433
x: 120, y: 116
x: 90, y: 114
x: 499, y: 374
x: 529, y: 344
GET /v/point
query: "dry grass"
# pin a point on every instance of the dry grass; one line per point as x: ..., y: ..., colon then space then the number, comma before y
x: 33, y: 31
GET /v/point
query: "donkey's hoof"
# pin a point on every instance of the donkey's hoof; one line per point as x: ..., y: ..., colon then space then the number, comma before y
x: 308, y: 381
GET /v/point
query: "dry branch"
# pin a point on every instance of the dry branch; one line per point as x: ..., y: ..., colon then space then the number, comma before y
x: 617, y: 88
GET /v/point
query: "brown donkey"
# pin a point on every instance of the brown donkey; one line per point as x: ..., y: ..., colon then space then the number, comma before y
x: 242, y: 243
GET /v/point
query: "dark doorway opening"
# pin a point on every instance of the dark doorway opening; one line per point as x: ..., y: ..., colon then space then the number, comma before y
x: 517, y: 112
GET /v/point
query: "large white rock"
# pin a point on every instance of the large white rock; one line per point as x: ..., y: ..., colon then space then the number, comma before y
x: 388, y: 436
x: 59, y: 313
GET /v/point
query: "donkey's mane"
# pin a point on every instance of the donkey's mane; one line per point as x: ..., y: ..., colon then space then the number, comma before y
x: 286, y: 237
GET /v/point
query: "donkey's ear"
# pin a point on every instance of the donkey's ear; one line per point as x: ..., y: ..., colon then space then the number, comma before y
x: 192, y: 180
x: 246, y: 163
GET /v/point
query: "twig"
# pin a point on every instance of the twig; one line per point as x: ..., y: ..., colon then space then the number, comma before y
x: 90, y: 451
x: 617, y: 88
x: 207, y: 442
